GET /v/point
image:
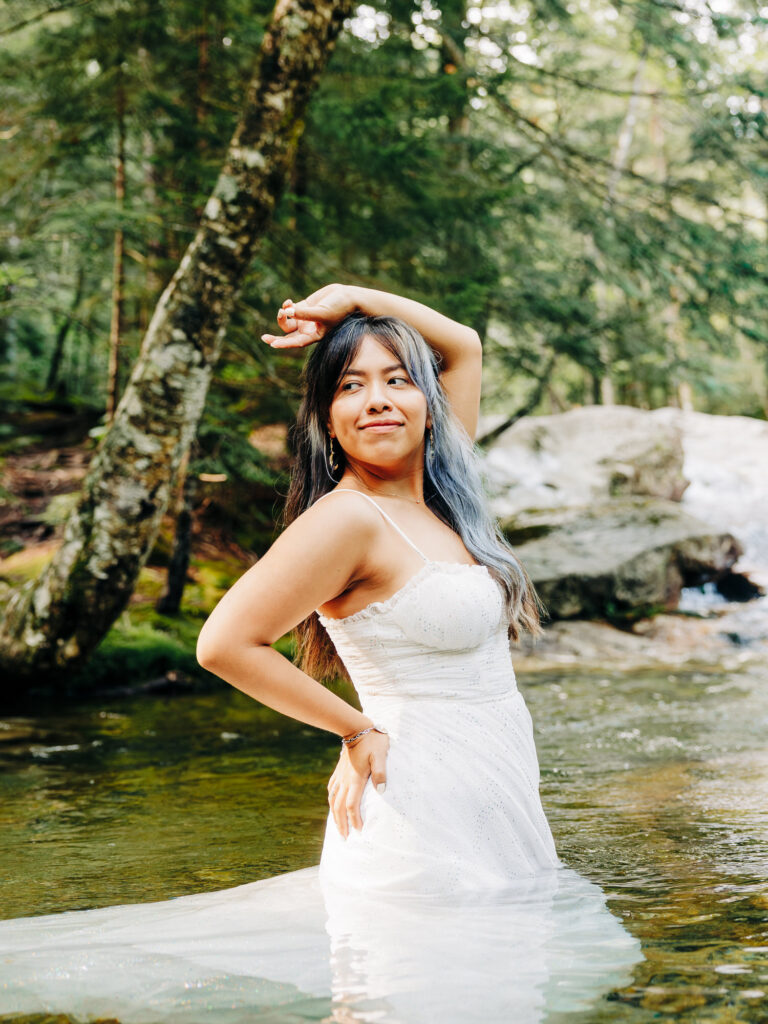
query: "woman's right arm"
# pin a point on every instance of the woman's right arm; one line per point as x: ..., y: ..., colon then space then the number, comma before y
x: 459, y: 346
x: 314, y: 560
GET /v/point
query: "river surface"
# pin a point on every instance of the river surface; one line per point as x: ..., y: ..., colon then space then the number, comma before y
x: 656, y: 787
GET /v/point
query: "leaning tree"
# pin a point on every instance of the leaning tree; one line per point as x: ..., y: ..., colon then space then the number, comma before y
x: 55, y: 622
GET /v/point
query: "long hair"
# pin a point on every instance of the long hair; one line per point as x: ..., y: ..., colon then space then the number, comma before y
x: 453, y: 487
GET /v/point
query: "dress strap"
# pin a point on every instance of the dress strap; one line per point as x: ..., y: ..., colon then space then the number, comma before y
x: 389, y: 519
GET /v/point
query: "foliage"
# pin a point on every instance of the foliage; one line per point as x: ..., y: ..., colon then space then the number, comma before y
x: 586, y: 185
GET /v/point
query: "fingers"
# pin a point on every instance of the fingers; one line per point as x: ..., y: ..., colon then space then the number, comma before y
x: 338, y: 802
x: 285, y: 318
x: 347, y: 784
x: 377, y: 764
x: 298, y: 334
x: 352, y: 803
x: 305, y: 311
x: 299, y: 339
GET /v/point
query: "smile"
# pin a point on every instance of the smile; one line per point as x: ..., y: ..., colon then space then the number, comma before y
x: 382, y: 428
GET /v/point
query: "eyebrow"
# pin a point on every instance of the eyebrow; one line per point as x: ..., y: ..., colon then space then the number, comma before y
x: 362, y: 373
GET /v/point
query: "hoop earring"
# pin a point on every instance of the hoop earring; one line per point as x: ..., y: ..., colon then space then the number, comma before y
x: 332, y: 457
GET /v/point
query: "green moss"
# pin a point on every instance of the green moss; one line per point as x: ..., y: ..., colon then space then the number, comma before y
x: 134, y: 652
x: 624, y: 617
x: 26, y: 564
x: 522, y: 534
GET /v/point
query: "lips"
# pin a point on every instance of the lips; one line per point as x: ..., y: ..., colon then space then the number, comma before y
x: 382, y: 425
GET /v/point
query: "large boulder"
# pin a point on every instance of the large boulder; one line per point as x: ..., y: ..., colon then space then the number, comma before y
x: 618, y: 559
x: 575, y: 458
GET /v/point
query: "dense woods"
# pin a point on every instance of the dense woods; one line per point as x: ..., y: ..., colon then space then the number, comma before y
x: 584, y: 183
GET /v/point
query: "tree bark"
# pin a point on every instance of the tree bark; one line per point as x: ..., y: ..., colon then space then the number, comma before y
x: 52, y: 381
x: 118, y: 268
x: 57, y: 622
x: 619, y: 160
x: 169, y: 601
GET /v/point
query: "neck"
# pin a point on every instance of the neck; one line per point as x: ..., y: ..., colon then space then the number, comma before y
x: 375, y: 481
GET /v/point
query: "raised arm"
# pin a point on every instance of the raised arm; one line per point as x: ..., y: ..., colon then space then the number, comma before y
x: 458, y: 346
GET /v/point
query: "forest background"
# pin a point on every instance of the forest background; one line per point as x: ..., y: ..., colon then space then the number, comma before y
x: 586, y: 184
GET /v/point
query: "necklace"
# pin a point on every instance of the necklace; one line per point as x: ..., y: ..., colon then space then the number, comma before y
x: 383, y: 494
x: 386, y: 494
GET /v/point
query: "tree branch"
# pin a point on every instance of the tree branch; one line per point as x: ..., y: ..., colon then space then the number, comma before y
x: 9, y: 29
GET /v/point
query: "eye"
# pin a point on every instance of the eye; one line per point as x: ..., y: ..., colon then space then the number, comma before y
x: 398, y: 380
x: 350, y: 384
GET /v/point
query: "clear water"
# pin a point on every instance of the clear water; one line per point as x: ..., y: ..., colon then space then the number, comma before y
x: 656, y: 788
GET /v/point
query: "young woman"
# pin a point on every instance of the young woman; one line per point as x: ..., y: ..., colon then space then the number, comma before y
x: 392, y: 567
x: 439, y: 895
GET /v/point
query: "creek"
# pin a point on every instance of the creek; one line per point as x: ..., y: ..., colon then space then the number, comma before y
x: 656, y: 787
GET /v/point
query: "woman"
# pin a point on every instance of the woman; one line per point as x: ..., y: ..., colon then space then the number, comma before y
x: 384, y: 440
x: 440, y: 895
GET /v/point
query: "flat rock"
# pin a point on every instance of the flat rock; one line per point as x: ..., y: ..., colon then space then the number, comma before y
x: 619, y: 558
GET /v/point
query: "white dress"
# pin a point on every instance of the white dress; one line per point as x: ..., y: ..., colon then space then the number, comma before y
x: 450, y: 905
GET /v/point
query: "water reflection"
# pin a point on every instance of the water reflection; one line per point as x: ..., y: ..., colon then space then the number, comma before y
x: 656, y: 788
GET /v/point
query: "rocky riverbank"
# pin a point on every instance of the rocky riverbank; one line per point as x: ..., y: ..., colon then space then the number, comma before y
x: 620, y: 512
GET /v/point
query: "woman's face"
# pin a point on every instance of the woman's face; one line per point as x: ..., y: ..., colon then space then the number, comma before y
x: 377, y: 414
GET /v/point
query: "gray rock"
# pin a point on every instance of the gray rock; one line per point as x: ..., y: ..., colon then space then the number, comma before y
x: 585, y: 455
x: 619, y: 558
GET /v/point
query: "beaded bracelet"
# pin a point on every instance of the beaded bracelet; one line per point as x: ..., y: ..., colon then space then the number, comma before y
x: 363, y: 732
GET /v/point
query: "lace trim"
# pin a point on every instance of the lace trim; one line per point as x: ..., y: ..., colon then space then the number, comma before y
x: 380, y: 607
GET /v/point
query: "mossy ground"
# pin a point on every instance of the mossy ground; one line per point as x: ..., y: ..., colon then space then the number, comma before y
x: 40, y: 482
x: 144, y: 646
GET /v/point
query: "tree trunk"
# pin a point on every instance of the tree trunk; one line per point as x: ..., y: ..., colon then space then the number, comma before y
x: 118, y: 271
x: 169, y: 601
x: 58, y: 621
x: 607, y: 395
x: 61, y: 335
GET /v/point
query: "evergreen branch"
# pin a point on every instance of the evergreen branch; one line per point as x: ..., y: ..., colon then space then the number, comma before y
x: 654, y: 94
x: 710, y: 15
x: 525, y: 409
x: 568, y: 149
x: 8, y: 30
x: 574, y: 152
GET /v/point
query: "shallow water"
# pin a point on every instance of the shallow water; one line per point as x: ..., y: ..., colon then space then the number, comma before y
x: 656, y: 788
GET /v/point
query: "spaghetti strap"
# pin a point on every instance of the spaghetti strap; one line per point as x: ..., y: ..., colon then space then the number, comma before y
x: 389, y: 519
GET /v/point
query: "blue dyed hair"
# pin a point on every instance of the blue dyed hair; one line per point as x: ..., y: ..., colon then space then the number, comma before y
x: 453, y: 487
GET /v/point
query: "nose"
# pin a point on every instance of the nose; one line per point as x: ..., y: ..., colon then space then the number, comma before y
x: 377, y: 397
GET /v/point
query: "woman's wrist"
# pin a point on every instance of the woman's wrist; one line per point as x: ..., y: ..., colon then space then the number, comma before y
x: 364, y: 722
x: 351, y: 741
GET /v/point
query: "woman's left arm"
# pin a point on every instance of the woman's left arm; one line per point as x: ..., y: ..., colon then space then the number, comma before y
x: 458, y: 346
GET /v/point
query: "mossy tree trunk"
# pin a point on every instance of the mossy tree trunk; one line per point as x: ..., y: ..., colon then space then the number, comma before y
x: 57, y: 622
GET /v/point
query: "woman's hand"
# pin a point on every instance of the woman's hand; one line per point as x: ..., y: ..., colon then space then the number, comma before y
x: 307, y: 322
x: 367, y: 758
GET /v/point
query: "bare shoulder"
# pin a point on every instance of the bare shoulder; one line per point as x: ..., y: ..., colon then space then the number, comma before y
x: 313, y: 560
x: 343, y: 515
x: 330, y: 539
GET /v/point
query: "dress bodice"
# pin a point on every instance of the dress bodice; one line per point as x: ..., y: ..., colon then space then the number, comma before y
x: 444, y: 634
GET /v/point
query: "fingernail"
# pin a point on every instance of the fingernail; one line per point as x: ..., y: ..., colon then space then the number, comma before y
x: 381, y: 788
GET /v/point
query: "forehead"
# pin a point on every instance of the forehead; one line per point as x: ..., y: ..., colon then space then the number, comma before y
x: 372, y: 354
